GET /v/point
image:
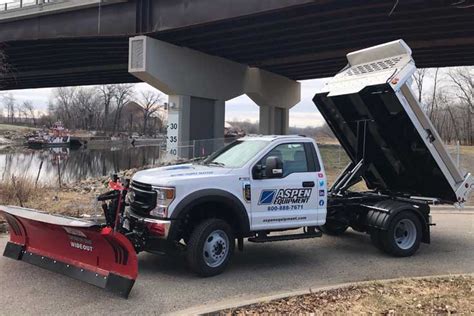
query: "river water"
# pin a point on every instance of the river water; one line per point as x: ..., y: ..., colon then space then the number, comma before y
x: 69, y: 165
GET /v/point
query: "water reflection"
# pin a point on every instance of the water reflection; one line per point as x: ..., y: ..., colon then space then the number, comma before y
x: 73, y: 164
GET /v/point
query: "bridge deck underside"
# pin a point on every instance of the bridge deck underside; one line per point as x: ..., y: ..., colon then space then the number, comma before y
x: 302, y: 42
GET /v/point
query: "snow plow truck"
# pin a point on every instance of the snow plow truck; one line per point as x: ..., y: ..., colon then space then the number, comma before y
x: 267, y: 188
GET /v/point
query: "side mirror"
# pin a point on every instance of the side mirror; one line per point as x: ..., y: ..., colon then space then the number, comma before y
x: 257, y: 171
x: 273, y: 167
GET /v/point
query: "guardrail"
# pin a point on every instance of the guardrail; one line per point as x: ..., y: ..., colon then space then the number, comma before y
x: 20, y: 4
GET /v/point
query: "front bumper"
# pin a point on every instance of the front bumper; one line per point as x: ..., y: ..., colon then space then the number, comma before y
x: 156, y: 227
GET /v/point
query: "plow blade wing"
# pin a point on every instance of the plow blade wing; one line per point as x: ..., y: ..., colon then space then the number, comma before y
x: 77, y: 248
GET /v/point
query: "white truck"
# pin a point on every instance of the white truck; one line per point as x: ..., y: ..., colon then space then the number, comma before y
x: 268, y: 188
x: 259, y: 186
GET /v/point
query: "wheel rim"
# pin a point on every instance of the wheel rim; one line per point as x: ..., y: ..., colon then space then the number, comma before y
x: 216, y: 248
x: 405, y: 234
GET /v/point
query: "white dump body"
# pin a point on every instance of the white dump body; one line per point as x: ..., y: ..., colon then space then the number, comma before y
x: 405, y: 152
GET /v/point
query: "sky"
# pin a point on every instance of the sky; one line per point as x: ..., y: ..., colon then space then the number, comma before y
x: 241, y: 108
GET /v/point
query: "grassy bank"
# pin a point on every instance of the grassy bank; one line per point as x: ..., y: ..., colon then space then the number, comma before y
x: 13, y: 134
x: 9, y: 127
x: 73, y: 200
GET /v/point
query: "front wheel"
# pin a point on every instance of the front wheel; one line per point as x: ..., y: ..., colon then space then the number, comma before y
x: 210, y: 247
x: 403, y: 236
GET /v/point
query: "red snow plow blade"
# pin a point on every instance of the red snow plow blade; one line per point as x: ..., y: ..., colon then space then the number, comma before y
x: 80, y: 249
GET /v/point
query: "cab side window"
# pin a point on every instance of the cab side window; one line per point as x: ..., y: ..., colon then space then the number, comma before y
x: 294, y: 156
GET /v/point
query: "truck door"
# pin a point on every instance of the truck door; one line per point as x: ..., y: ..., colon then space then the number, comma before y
x: 291, y: 199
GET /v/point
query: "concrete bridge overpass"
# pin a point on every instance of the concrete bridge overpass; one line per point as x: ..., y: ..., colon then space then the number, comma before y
x: 85, y: 42
x: 73, y: 43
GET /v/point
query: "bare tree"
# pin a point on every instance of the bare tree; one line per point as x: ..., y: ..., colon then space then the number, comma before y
x: 107, y: 93
x: 451, y: 109
x: 9, y: 103
x: 22, y: 114
x: 29, y: 111
x: 444, y: 101
x: 90, y: 107
x: 62, y: 105
x: 433, y: 98
x: 87, y: 109
x: 123, y: 94
x: 76, y: 107
x: 419, y: 77
x: 463, y: 83
x: 150, y: 101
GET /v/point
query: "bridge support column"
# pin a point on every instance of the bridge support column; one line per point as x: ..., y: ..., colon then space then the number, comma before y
x: 273, y: 120
x: 193, y: 124
x: 275, y: 95
x: 199, y: 84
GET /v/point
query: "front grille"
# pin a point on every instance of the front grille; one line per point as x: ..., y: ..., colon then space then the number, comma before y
x: 144, y: 200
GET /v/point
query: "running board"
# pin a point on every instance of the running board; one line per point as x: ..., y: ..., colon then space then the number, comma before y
x: 261, y: 239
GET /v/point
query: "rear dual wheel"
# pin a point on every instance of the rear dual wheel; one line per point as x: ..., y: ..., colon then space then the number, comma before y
x: 402, y: 237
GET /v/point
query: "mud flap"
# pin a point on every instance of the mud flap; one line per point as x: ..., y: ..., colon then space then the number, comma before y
x: 77, y: 248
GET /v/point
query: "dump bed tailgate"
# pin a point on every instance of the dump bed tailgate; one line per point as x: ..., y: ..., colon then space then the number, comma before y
x: 372, y: 111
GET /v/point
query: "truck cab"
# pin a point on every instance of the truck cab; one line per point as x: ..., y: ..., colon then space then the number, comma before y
x: 253, y: 186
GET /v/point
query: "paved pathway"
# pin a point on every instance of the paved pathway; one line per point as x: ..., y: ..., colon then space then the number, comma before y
x: 165, y: 285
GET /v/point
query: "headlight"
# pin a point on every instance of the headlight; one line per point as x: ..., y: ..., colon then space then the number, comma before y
x: 164, y: 197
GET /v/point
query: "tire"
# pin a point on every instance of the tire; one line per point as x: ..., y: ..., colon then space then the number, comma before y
x: 334, y: 228
x: 210, y: 247
x: 403, y: 236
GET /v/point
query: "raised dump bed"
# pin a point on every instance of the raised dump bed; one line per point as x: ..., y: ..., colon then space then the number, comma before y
x: 391, y: 142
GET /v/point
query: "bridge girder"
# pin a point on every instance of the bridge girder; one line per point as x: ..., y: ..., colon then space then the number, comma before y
x: 299, y: 39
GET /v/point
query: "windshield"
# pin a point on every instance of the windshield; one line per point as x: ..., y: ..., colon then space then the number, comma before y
x: 237, y: 154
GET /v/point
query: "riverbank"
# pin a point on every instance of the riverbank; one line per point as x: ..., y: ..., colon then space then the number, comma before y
x: 77, y: 199
x: 13, y: 134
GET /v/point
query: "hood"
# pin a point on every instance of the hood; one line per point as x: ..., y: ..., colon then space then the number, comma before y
x: 169, y: 174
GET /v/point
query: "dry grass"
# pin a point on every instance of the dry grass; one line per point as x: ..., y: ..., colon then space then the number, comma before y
x: 468, y: 150
x: 438, y: 296
x: 22, y: 191
x: 466, y: 157
x: 67, y: 203
x: 335, y: 160
x: 17, y: 190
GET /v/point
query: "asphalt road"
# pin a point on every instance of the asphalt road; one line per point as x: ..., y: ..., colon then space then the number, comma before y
x: 165, y: 285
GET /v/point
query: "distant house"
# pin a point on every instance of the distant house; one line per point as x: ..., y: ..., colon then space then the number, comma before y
x: 132, y: 119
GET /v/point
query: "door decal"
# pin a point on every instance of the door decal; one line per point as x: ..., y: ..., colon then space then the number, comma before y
x: 285, y: 196
x: 267, y: 197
